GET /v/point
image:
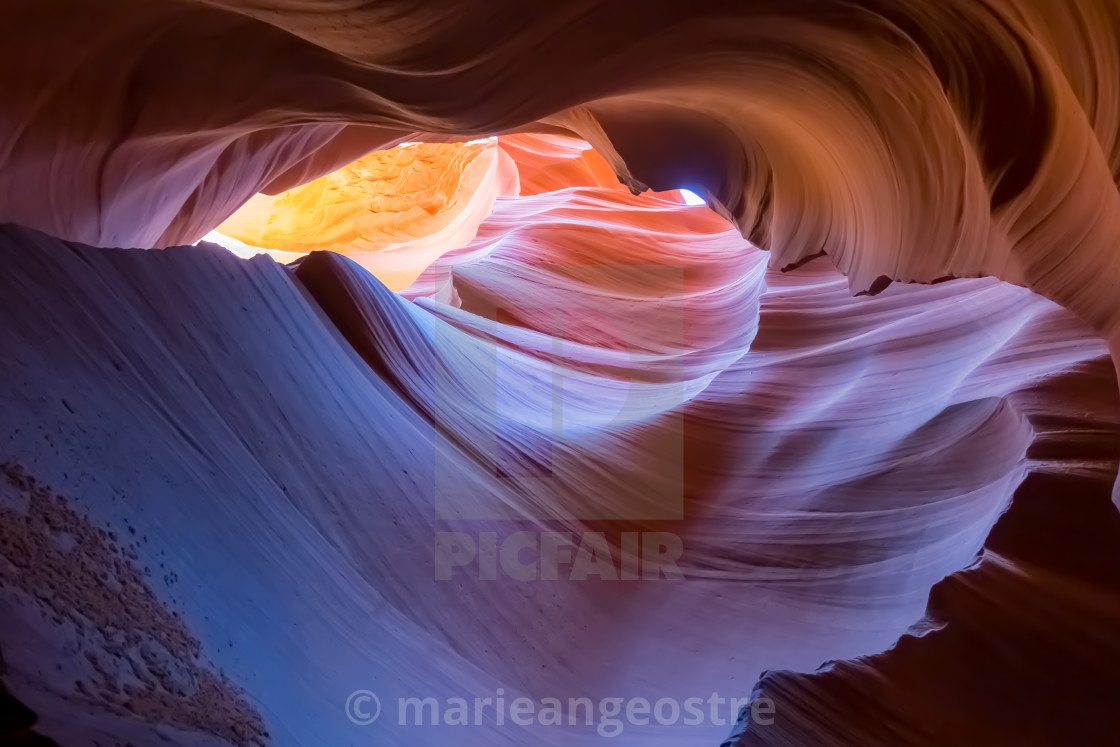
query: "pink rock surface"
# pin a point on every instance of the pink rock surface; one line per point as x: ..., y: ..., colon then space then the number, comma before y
x: 226, y: 480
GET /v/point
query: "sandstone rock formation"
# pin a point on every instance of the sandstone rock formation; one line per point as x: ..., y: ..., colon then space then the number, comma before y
x: 226, y: 478
x: 394, y: 211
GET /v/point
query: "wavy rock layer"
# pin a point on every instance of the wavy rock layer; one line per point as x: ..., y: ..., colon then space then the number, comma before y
x: 1013, y: 650
x: 285, y: 444
x: 280, y: 446
x: 394, y: 211
x: 906, y: 141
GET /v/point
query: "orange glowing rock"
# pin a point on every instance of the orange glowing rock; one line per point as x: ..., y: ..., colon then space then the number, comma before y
x: 550, y: 162
x: 393, y: 211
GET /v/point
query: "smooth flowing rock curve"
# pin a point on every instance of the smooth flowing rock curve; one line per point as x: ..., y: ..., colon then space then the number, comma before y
x: 225, y: 483
x: 907, y: 140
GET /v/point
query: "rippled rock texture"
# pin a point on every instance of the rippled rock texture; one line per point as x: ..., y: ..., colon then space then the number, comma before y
x: 394, y: 211
x: 228, y: 481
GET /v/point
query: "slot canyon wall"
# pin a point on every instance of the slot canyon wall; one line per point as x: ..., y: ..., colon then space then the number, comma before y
x: 483, y: 309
